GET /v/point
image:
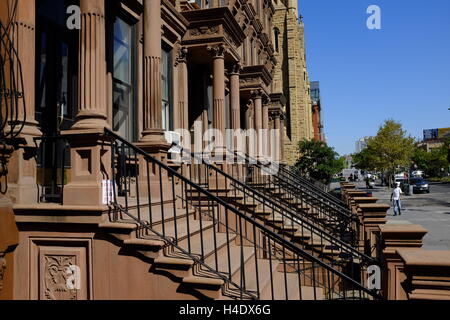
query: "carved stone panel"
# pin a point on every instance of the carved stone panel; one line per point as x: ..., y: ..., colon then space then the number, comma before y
x: 60, y: 270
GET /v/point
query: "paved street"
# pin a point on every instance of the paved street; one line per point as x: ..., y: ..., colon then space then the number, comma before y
x: 432, y: 211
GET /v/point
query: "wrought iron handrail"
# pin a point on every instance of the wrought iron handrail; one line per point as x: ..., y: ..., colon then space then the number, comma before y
x: 305, y: 183
x: 248, y: 233
x: 290, y: 217
x: 274, y: 179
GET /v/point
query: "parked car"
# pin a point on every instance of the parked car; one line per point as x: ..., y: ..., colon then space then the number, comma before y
x: 420, y: 185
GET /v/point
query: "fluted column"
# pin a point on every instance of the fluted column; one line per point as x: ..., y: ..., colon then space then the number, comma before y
x: 92, y: 102
x: 257, y: 100
x: 282, y: 135
x: 265, y: 129
x: 22, y: 35
x: 152, y: 126
x: 277, y: 127
x: 235, y: 97
x: 181, y: 115
x: 218, y: 53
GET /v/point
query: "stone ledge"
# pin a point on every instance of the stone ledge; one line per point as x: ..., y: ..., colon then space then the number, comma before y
x: 422, y: 258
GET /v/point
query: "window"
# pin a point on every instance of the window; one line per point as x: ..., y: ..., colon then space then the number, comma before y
x: 124, y: 72
x: 56, y: 67
x: 276, y: 33
x: 166, y: 89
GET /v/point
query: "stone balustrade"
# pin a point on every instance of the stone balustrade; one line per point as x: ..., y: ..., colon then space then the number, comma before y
x: 426, y: 274
x: 395, y: 237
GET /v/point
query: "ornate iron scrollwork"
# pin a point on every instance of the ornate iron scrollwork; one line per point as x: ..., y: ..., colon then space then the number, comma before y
x: 12, y: 102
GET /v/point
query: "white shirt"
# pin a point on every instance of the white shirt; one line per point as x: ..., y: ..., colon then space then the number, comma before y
x: 396, y: 193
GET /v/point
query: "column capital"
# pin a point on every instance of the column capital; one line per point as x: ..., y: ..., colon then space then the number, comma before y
x: 217, y: 51
x: 181, y: 55
x: 256, y: 94
x: 236, y: 68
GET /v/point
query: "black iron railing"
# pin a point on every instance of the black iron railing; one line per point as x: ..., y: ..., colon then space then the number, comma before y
x: 252, y: 260
x: 53, y: 168
x: 309, y: 184
x: 295, y: 228
x: 266, y: 177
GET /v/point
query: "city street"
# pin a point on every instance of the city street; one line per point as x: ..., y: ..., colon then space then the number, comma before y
x: 432, y: 211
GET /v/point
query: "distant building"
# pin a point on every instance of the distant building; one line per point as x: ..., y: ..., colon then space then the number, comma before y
x: 361, y: 144
x: 317, y: 111
x: 434, y: 138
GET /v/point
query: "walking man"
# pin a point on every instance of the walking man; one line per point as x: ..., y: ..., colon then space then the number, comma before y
x: 395, y: 199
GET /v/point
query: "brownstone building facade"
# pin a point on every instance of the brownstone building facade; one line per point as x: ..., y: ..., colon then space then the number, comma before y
x: 139, y: 68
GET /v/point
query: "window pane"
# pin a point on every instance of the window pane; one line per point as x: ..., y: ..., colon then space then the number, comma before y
x: 123, y: 95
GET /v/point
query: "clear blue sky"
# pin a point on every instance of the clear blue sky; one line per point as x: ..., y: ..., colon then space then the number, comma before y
x: 367, y: 76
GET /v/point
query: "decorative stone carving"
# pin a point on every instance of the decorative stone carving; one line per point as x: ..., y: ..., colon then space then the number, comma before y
x: 181, y: 56
x: 55, y: 278
x: 236, y: 68
x: 206, y: 30
x: 218, y: 51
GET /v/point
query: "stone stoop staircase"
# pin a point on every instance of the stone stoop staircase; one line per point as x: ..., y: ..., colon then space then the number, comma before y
x: 208, y: 242
x: 292, y: 191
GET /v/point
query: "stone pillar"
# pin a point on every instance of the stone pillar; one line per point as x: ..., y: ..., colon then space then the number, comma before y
x: 218, y: 54
x: 356, y: 201
x: 373, y: 215
x: 153, y: 135
x: 235, y: 97
x: 426, y: 274
x: 393, y: 238
x: 282, y: 135
x: 181, y: 115
x: 22, y: 163
x: 92, y: 99
x: 258, y: 118
x: 277, y: 144
x: 22, y: 35
x: 265, y: 130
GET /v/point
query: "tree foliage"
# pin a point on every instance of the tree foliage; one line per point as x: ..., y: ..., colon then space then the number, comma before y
x: 432, y: 162
x: 389, y: 149
x: 318, y: 160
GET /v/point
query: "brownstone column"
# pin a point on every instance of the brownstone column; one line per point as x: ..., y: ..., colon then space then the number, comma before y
x: 152, y: 134
x: 277, y: 126
x: 235, y: 97
x: 265, y: 129
x: 22, y: 35
x: 21, y: 163
x: 258, y: 117
x: 92, y: 102
x: 218, y: 54
x: 282, y: 135
x: 393, y: 238
x: 181, y: 115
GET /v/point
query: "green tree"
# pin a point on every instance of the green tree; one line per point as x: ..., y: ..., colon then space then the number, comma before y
x: 389, y: 149
x: 318, y: 160
x: 432, y: 162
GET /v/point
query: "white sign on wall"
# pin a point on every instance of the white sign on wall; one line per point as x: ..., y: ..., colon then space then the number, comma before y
x: 107, y: 191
